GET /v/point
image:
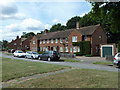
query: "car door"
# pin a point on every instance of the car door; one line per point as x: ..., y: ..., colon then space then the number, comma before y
x: 43, y: 56
x: 118, y: 57
x: 46, y: 55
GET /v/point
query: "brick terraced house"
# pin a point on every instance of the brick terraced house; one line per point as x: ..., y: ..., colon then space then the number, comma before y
x: 61, y: 41
x: 20, y: 43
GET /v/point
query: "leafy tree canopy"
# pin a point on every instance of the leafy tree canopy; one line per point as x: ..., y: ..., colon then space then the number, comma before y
x: 57, y: 27
x: 26, y: 35
x: 71, y: 23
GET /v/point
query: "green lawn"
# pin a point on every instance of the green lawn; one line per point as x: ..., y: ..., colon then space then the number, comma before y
x: 69, y: 60
x: 103, y: 63
x: 12, y: 69
x: 77, y: 78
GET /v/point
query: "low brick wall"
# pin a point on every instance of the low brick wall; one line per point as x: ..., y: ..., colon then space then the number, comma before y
x: 67, y: 55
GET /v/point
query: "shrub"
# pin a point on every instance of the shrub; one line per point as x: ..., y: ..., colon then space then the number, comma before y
x: 118, y: 45
x: 40, y: 52
x: 85, y: 47
x: 89, y: 55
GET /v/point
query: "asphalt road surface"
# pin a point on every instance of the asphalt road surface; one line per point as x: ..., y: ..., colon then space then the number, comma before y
x: 72, y: 64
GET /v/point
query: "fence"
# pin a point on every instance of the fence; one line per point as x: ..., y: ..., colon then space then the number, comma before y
x: 68, y: 55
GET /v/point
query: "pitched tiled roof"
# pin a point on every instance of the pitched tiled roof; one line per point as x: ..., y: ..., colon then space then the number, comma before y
x: 89, y: 30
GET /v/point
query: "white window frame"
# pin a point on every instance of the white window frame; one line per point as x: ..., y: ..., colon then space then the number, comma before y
x: 14, y: 43
x: 66, y: 40
x: 66, y: 49
x: 74, y: 39
x: 33, y: 41
x: 61, y: 49
x: 43, y: 48
x: 40, y: 41
x: 51, y: 40
x: 78, y: 48
x: 43, y: 41
x: 48, y: 41
x: 74, y: 49
x: 56, y: 40
x: 61, y: 40
x: 85, y: 38
x: 70, y: 49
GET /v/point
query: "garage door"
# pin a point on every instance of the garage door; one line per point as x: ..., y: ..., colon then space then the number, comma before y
x: 106, y: 51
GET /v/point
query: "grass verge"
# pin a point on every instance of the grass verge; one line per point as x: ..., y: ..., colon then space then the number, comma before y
x: 103, y: 63
x: 12, y: 69
x: 10, y: 54
x: 69, y: 60
x: 77, y: 78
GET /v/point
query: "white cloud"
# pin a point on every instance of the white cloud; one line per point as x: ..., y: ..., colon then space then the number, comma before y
x: 28, y: 25
x: 55, y: 21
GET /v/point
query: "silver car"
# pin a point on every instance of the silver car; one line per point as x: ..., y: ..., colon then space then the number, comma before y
x: 33, y: 55
x: 116, y: 60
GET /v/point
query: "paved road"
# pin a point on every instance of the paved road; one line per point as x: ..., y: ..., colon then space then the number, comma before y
x: 72, y: 64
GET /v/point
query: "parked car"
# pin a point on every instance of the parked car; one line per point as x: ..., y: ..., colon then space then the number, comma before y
x: 116, y: 60
x: 31, y: 54
x: 50, y: 55
x: 19, y: 53
x: 13, y: 50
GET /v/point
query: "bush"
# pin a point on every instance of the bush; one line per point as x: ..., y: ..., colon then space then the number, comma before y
x: 118, y: 46
x: 89, y: 55
x: 40, y: 52
x: 85, y: 47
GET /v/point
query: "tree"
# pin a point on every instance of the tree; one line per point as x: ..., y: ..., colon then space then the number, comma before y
x: 27, y: 35
x: 109, y: 15
x: 110, y: 10
x: 71, y: 23
x: 4, y: 43
x: 57, y: 27
x: 88, y: 20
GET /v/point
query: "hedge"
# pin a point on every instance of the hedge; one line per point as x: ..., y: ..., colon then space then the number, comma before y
x: 85, y: 48
x: 118, y: 46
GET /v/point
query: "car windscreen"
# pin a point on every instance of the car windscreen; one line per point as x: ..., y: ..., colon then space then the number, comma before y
x: 34, y: 53
x: 20, y: 52
x: 55, y: 52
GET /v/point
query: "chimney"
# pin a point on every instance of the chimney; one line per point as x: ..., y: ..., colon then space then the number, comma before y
x: 45, y: 31
x: 17, y: 37
x: 77, y: 25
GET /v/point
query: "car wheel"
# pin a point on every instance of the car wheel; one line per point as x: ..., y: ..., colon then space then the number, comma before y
x: 39, y: 58
x: 119, y: 64
x: 49, y: 59
x: 25, y: 56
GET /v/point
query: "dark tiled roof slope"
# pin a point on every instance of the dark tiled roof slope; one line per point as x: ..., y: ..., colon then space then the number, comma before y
x: 89, y: 30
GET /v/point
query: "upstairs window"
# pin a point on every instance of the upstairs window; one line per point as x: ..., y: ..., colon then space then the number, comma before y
x: 51, y: 40
x: 33, y: 41
x: 66, y: 40
x: 14, y: 43
x: 74, y: 39
x: 43, y: 41
x: 61, y: 40
x: 48, y: 41
x: 56, y: 40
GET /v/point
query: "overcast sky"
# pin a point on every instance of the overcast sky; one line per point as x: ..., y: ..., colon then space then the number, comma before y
x: 29, y: 16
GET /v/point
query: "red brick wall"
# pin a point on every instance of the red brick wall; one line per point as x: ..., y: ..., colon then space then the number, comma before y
x: 64, y: 44
x: 96, y: 41
x: 17, y: 46
x: 34, y: 47
x: 27, y: 42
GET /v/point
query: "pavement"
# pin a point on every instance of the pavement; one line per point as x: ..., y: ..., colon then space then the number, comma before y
x: 85, y: 63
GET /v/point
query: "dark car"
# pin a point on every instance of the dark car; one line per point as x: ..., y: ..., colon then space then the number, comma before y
x: 49, y: 55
